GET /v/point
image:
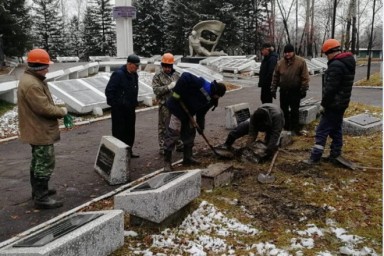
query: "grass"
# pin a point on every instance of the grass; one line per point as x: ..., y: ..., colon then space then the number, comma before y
x: 5, y: 106
x: 355, y: 196
x: 374, y: 80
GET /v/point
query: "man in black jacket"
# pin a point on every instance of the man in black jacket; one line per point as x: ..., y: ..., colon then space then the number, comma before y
x: 268, y: 118
x: 266, y: 71
x: 192, y: 96
x: 337, y: 89
x: 121, y: 92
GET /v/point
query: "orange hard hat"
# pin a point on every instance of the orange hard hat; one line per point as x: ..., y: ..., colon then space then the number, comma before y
x: 329, y: 45
x: 168, y: 58
x: 39, y: 56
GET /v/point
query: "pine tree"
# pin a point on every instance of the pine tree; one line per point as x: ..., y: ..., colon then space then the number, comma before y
x: 48, y: 26
x: 75, y: 37
x: 99, y: 29
x: 148, y: 28
x: 15, y: 26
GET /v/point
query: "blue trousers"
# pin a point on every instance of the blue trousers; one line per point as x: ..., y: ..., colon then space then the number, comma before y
x: 330, y: 125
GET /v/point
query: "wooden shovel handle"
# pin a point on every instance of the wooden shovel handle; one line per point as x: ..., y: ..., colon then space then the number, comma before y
x: 273, y: 162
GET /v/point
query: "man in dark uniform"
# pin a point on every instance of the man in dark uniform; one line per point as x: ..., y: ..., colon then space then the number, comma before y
x: 268, y: 118
x: 267, y: 67
x: 337, y: 90
x: 121, y: 92
x: 195, y: 95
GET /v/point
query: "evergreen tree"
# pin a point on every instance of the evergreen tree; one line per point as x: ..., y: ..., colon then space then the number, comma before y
x: 180, y: 18
x: 91, y: 35
x: 48, y: 26
x: 15, y: 26
x: 148, y: 28
x: 99, y: 29
x: 75, y: 37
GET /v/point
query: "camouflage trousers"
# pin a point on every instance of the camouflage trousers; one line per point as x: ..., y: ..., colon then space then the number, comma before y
x: 43, y: 161
x: 164, y: 116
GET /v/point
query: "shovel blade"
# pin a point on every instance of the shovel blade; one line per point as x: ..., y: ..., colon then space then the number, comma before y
x: 265, y: 178
x: 346, y: 163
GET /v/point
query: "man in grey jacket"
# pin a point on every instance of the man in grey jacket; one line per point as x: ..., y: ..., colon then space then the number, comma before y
x: 268, y: 118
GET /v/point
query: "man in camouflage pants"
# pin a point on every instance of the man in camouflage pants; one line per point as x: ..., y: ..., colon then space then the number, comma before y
x: 39, y: 126
x: 163, y: 82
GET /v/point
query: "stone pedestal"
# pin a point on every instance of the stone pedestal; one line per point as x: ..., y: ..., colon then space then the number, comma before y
x: 113, y: 160
x: 161, y: 196
x: 235, y: 114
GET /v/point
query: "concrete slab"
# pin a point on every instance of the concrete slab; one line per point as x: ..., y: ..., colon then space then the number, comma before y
x: 362, y: 124
x: 308, y: 114
x: 235, y: 114
x: 216, y: 175
x: 8, y: 91
x: 113, y: 160
x: 160, y: 196
x: 99, y: 237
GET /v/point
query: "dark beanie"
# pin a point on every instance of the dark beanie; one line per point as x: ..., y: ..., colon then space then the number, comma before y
x: 289, y: 48
x: 133, y: 58
x: 37, y: 66
x: 266, y: 45
x: 218, y: 89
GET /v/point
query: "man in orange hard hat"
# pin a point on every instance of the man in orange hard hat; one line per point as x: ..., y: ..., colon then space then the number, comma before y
x: 162, y: 83
x: 39, y: 126
x: 337, y: 89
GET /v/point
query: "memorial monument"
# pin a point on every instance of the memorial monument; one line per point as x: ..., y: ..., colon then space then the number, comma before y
x: 123, y: 12
x: 196, y: 40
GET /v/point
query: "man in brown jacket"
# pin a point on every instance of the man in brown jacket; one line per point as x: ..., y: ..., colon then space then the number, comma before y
x: 39, y: 126
x: 291, y: 75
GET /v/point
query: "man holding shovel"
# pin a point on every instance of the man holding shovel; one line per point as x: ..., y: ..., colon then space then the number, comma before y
x: 192, y: 96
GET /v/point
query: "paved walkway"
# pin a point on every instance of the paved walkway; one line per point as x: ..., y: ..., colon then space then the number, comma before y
x: 74, y: 176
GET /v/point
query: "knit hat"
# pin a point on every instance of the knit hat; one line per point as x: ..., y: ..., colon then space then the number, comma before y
x: 37, y: 66
x: 289, y: 48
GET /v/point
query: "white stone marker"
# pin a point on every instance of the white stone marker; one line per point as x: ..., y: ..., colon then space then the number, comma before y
x: 113, y: 160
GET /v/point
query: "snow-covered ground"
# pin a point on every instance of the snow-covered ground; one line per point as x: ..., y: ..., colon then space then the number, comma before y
x: 206, y: 229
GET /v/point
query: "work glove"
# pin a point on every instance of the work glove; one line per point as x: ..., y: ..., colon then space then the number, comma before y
x: 303, y: 94
x: 171, y: 85
x: 68, y: 121
x: 273, y: 94
x: 65, y: 110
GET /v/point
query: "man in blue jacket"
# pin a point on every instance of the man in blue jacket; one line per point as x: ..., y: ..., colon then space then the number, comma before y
x: 197, y: 95
x: 121, y: 92
x: 337, y: 90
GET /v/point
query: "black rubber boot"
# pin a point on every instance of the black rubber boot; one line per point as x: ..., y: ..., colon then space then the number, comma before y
x: 33, y: 184
x: 168, y: 161
x: 42, y: 199
x: 187, y: 157
x: 228, y: 143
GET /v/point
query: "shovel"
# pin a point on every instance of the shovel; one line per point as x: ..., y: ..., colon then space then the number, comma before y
x: 268, y: 178
x: 225, y: 154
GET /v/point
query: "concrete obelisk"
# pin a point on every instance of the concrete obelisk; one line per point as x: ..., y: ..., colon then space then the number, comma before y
x: 123, y: 12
